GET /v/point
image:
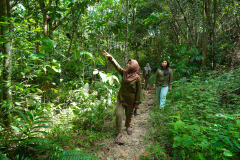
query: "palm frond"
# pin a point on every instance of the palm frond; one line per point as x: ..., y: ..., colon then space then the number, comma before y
x: 73, y: 155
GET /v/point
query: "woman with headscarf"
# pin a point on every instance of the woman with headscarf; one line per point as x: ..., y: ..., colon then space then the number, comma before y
x: 163, y: 81
x: 146, y: 74
x: 128, y: 95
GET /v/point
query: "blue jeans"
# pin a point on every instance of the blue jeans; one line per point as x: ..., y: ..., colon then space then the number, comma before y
x: 161, y: 95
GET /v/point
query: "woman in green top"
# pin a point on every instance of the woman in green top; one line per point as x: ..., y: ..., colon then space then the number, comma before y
x: 128, y: 95
x: 163, y: 81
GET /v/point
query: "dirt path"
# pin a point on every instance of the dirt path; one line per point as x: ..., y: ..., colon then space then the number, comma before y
x: 133, y: 148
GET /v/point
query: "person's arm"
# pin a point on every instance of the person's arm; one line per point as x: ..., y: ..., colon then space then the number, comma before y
x: 114, y: 63
x: 138, y: 93
x: 116, y: 66
x: 149, y: 74
x: 156, y: 77
x: 170, y: 80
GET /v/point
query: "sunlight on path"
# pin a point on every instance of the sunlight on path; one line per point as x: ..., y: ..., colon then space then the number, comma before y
x: 133, y: 149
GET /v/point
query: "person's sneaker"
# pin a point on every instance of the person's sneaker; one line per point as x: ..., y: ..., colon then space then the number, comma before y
x: 135, y: 112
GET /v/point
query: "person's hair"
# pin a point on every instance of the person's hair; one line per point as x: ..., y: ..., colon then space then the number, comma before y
x: 166, y: 70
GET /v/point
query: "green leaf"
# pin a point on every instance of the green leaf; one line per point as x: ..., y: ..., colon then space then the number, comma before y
x: 176, y: 144
x: 37, y: 56
x: 103, y: 76
x: 3, y: 157
x: 238, y: 145
x: 178, y: 125
x: 42, y: 118
x: 115, y: 77
x: 178, y: 117
x: 178, y: 138
x: 200, y: 156
x: 217, y: 144
x: 30, y: 115
x: 42, y: 126
x: 24, y: 117
x: 114, y: 29
x: 42, y: 122
x: 110, y: 80
x: 20, y: 123
x: 8, y: 84
x: 229, y: 141
x: 40, y: 132
x: 188, y: 142
x: 83, y: 53
x: 48, y: 44
x: 56, y: 69
x: 102, y: 61
x: 228, y: 153
x: 16, y: 128
x: 238, y: 123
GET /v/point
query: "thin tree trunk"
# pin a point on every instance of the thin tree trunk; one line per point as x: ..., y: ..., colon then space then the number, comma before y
x: 72, y: 35
x: 176, y: 21
x: 45, y: 28
x: 36, y: 26
x: 50, y: 28
x: 44, y: 14
x: 204, y: 39
x: 176, y: 33
x: 29, y: 26
x: 135, y: 33
x: 208, y: 27
x: 214, y: 34
x: 7, y: 61
x: 126, y: 38
x: 156, y: 40
x: 185, y: 19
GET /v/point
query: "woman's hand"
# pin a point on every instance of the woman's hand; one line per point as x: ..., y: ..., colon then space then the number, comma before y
x: 154, y: 86
x: 107, y: 55
x: 136, y: 106
x: 170, y: 88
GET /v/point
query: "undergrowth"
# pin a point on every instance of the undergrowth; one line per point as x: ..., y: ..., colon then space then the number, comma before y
x: 201, y: 119
x: 66, y: 129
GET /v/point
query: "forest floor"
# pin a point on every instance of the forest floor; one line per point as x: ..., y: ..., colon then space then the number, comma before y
x: 134, y: 146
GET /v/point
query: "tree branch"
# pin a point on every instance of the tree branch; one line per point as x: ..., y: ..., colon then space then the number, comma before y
x: 60, y: 22
x: 185, y: 19
x: 229, y: 92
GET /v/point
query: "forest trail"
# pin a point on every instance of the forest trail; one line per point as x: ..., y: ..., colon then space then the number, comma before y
x: 134, y: 147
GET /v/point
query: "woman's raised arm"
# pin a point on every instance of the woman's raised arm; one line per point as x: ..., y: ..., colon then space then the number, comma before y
x: 114, y: 63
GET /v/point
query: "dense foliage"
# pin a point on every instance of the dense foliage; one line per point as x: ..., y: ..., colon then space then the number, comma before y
x: 56, y: 86
x: 201, y: 119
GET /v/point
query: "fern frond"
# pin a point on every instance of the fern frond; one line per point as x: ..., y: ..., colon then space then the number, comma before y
x: 3, y: 157
x: 73, y: 155
x: 38, y: 142
x: 21, y: 158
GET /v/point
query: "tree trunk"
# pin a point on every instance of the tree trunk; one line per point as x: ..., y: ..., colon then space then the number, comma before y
x: 204, y: 37
x: 135, y: 34
x: 7, y: 61
x: 156, y: 41
x: 29, y: 26
x: 44, y: 14
x: 36, y: 26
x: 214, y: 34
x: 208, y: 27
x: 187, y: 24
x: 50, y: 28
x: 126, y: 38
